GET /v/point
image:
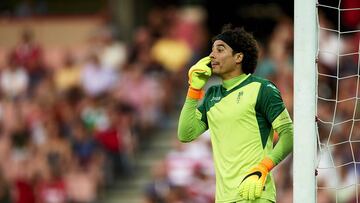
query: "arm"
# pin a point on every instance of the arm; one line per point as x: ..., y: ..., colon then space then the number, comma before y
x: 190, y: 125
x: 272, y: 106
x: 285, y: 144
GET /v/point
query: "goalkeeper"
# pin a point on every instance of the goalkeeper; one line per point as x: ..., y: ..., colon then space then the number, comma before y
x: 242, y: 114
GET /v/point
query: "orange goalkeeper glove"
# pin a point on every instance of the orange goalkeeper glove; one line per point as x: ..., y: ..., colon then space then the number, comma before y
x: 198, y: 74
x: 252, y: 185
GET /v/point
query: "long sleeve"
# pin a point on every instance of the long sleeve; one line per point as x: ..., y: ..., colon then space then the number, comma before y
x: 285, y: 144
x: 272, y: 106
x: 190, y: 125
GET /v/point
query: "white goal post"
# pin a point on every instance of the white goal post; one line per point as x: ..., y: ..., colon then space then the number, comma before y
x: 305, y: 48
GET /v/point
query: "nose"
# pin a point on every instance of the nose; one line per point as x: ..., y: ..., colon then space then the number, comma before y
x: 212, y: 56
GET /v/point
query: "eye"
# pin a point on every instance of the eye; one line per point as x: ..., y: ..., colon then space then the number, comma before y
x: 218, y: 49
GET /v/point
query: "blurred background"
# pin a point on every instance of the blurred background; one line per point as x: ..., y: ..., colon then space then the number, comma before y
x: 90, y: 94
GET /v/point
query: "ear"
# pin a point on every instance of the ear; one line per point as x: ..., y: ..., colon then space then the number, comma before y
x: 239, y: 57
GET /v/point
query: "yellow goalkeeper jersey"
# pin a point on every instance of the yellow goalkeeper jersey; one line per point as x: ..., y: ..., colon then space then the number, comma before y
x: 241, y: 119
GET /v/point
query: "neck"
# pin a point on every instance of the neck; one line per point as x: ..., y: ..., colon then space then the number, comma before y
x: 232, y: 82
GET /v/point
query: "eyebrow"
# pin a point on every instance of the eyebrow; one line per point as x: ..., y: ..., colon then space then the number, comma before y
x: 219, y: 45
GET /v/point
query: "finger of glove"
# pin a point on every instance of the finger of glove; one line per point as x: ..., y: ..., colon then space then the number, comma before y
x: 200, y: 71
x: 251, y: 193
x: 258, y: 189
x: 206, y: 60
x: 241, y: 190
x: 252, y: 181
x: 247, y: 187
x: 260, y: 185
x: 199, y: 79
x: 246, y: 190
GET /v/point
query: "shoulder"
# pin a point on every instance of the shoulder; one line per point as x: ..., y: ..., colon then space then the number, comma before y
x: 213, y: 89
x: 213, y: 93
x: 265, y: 83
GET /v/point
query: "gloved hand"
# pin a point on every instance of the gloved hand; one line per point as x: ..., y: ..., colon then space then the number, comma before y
x: 198, y: 75
x: 252, y: 185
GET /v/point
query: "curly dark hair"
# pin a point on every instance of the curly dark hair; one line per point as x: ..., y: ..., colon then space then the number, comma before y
x: 244, y: 42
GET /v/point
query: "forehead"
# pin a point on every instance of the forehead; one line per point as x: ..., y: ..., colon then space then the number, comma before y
x: 219, y: 42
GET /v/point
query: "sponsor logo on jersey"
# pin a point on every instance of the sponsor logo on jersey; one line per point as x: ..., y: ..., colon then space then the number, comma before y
x: 215, y: 99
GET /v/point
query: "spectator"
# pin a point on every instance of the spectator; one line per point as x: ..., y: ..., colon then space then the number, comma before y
x: 180, y: 165
x: 68, y: 76
x: 84, y: 146
x: 96, y: 79
x: 112, y: 53
x: 14, y: 80
x: 52, y: 189
x: 142, y: 92
x: 116, y: 141
x: 82, y: 183
x: 28, y: 54
x: 159, y: 188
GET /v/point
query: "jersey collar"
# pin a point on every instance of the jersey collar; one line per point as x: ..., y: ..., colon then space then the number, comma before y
x: 233, y: 82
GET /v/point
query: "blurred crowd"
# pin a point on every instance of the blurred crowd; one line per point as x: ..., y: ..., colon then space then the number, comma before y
x: 68, y: 132
x: 337, y: 108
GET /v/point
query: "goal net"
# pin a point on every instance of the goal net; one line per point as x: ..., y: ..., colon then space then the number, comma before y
x: 338, y: 101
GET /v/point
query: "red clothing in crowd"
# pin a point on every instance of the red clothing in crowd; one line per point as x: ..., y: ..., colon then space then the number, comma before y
x: 110, y: 139
x: 23, y: 192
x: 52, y: 192
x: 28, y: 55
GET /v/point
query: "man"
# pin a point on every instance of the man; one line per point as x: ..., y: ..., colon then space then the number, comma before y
x: 242, y: 114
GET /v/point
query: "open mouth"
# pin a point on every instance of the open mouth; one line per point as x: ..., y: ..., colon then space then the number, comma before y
x: 214, y: 64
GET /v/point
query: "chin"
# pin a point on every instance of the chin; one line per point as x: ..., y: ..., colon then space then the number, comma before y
x: 215, y: 70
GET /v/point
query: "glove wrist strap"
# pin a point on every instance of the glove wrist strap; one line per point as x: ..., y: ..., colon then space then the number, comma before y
x: 195, y: 93
x: 268, y: 163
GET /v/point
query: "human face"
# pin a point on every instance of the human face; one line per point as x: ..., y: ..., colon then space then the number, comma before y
x: 223, y: 62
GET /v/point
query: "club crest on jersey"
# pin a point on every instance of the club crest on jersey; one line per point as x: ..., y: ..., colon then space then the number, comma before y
x: 239, y: 96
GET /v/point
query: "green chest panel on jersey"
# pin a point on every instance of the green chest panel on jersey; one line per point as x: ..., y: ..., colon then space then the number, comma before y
x: 241, y: 110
